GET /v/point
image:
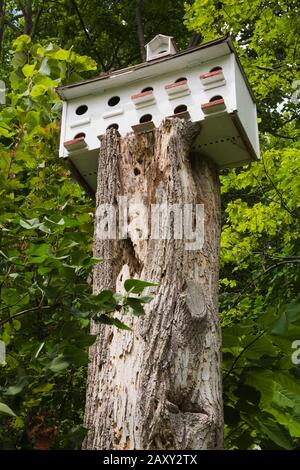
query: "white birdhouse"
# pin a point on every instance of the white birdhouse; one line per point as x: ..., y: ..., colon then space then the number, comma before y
x: 205, y: 84
x: 160, y: 46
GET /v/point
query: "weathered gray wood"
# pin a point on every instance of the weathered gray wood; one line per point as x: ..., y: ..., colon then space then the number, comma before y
x: 158, y: 387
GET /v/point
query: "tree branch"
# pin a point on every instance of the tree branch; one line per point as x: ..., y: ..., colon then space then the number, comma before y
x: 12, y: 26
x: 87, y: 35
x: 139, y: 27
x: 270, y: 69
x: 289, y: 260
x: 283, y: 203
x: 2, y: 22
x: 195, y: 39
x: 294, y: 139
x: 242, y: 352
x: 36, y: 22
x: 114, y: 55
x: 11, y: 317
x: 27, y: 11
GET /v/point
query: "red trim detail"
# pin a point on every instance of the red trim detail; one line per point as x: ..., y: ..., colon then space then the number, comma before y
x: 211, y: 74
x: 74, y: 141
x: 173, y: 85
x: 139, y: 95
x: 212, y: 103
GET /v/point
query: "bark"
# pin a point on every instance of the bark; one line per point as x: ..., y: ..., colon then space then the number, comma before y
x: 139, y: 27
x: 2, y: 23
x: 36, y: 22
x: 158, y: 387
x: 195, y: 40
x: 28, y: 15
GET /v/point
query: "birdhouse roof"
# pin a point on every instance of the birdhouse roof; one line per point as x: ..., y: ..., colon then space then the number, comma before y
x: 156, y: 67
x: 159, y: 37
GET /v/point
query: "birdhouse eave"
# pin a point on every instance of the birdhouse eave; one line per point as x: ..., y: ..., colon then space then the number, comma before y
x: 118, y: 78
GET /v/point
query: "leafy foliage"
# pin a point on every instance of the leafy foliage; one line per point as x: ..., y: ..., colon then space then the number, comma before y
x: 45, y: 258
x: 260, y: 274
x: 106, y: 30
x: 260, y: 303
x: 266, y: 34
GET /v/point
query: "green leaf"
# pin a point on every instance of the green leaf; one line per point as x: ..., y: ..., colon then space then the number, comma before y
x: 105, y: 296
x: 44, y: 388
x: 58, y: 364
x: 19, y: 59
x: 4, y: 132
x: 62, y: 54
x: 30, y: 224
x: 104, y: 301
x: 135, y: 304
x: 136, y: 286
x: 146, y: 299
x: 77, y: 356
x: 28, y: 70
x: 277, y: 434
x: 111, y: 321
x: 293, y: 311
x: 85, y: 341
x: 6, y: 410
x: 16, y: 324
x: 262, y: 347
x: 280, y: 326
x: 44, y: 228
x: 21, y: 42
x: 231, y: 415
x: 38, y: 90
x: 290, y: 315
x: 33, y: 119
x: 44, y: 68
x: 15, y: 389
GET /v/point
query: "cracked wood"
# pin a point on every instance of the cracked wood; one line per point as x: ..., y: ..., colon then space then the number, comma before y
x: 158, y: 387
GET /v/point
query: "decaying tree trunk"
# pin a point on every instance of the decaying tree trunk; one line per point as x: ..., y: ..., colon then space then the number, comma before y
x: 158, y: 387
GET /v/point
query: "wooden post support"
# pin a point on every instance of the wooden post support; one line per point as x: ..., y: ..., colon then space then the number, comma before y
x: 159, y: 386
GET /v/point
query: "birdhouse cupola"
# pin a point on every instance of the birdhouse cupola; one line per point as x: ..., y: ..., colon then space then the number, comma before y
x: 160, y: 46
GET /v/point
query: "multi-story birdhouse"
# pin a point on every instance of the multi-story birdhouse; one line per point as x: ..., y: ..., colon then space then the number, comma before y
x: 205, y: 84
